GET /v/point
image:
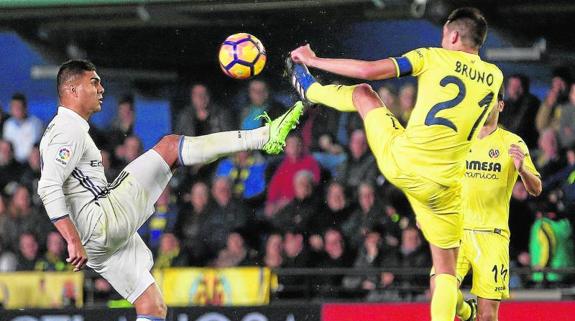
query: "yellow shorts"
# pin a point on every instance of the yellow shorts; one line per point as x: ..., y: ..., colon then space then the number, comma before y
x: 487, y: 254
x: 437, y: 207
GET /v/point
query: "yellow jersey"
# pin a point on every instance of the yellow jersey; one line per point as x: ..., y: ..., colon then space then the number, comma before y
x: 456, y: 91
x: 488, y: 182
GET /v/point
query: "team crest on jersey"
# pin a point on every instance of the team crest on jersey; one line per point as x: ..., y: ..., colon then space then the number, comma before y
x: 64, y: 154
x: 494, y: 153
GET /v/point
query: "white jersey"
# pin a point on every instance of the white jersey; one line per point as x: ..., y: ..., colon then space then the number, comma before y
x: 72, y: 172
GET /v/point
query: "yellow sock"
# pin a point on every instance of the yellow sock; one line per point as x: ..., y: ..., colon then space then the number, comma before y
x: 444, y: 301
x: 463, y: 309
x: 335, y: 96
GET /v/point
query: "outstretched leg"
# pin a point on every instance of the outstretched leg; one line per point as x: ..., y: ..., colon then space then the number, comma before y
x: 185, y: 150
x: 360, y: 98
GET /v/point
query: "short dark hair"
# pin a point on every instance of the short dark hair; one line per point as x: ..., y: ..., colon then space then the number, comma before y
x: 72, y: 68
x: 21, y: 98
x: 471, y: 23
x: 127, y: 99
x: 524, y: 80
x: 564, y: 73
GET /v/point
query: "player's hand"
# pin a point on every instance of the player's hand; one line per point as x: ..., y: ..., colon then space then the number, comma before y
x: 518, y: 157
x: 303, y: 55
x: 77, y: 255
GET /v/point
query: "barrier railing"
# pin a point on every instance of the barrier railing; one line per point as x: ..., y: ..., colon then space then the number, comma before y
x: 281, y: 286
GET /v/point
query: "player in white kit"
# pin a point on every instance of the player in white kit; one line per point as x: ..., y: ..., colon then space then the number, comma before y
x: 99, y: 220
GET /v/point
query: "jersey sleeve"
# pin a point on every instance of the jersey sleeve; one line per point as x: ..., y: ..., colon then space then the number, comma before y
x: 411, y: 63
x: 59, y: 157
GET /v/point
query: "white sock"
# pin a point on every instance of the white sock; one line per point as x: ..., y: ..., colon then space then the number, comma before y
x: 205, y: 149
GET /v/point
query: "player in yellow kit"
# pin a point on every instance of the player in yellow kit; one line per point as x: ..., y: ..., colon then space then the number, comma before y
x: 426, y: 159
x: 493, y: 164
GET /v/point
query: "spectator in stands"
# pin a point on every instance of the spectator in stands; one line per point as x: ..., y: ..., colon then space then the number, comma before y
x: 300, y: 211
x: 329, y: 154
x: 393, y: 223
x: 296, y: 255
x: 348, y: 122
x: 315, y: 123
x: 388, y: 94
x: 371, y: 254
x: 162, y: 221
x: 107, y: 160
x: 202, y: 116
x: 31, y: 174
x: 272, y: 256
x: 548, y: 158
x: 259, y: 97
x: 8, y: 259
x: 236, y: 253
x: 557, y: 95
x: 126, y: 152
x: 21, y: 129
x: 192, y: 222
x: 22, y: 217
x: 246, y: 170
x: 122, y: 125
x: 367, y: 215
x: 520, y: 109
x: 412, y: 253
x: 563, y: 120
x: 563, y: 181
x: 281, y: 190
x: 28, y: 252
x: 10, y: 169
x: 407, y: 95
x: 170, y: 254
x: 55, y: 257
x: 360, y: 165
x: 226, y: 214
x: 337, y: 210
x: 335, y: 255
x: 551, y: 246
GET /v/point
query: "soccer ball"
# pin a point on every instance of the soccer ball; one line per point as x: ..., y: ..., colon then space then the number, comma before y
x: 242, y: 56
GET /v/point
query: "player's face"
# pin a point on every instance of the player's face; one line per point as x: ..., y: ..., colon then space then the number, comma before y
x: 90, y: 92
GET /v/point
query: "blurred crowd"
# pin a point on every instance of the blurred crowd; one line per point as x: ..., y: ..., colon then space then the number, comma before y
x: 321, y: 204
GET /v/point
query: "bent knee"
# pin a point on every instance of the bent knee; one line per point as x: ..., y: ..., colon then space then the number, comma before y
x: 170, y: 140
x: 168, y: 147
x: 364, y: 91
x: 365, y: 99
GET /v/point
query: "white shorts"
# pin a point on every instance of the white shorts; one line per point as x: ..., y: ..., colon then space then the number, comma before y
x: 115, y: 250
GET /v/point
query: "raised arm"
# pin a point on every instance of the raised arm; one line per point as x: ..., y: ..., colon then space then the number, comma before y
x: 530, y: 180
x: 361, y: 69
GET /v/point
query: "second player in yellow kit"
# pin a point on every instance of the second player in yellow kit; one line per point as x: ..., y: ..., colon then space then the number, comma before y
x: 489, y: 178
x: 492, y: 167
x: 456, y: 91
